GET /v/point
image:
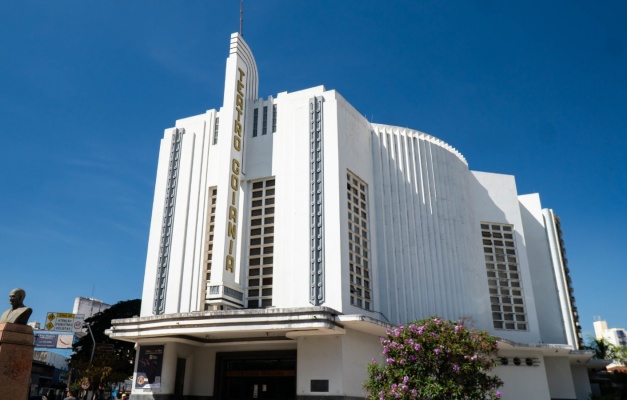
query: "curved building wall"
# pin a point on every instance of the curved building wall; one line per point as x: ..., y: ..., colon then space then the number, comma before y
x: 428, y: 260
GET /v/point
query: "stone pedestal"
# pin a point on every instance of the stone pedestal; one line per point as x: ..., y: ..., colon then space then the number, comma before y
x: 16, y: 359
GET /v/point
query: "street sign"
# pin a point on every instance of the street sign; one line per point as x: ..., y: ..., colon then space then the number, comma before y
x: 104, y: 347
x: 78, y: 324
x: 54, y: 341
x: 46, y: 340
x: 64, y: 322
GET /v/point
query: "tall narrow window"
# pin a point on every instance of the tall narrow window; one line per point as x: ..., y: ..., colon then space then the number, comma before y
x: 273, y: 118
x: 211, y: 219
x: 265, y: 121
x: 215, y: 130
x: 358, y: 247
x: 261, y: 245
x: 255, y: 121
x: 504, y: 281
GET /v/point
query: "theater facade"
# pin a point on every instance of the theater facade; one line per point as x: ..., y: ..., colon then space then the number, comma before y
x: 289, y: 232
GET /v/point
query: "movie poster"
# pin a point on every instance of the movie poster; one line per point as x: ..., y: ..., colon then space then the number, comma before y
x: 149, y: 367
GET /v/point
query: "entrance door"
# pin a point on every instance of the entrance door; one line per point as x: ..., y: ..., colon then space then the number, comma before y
x: 256, y: 375
x: 179, y: 380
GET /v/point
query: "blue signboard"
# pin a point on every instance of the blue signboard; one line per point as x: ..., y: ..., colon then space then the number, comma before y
x: 46, y: 340
x: 54, y: 340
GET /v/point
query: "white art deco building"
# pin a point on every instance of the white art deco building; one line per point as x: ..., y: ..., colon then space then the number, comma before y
x: 289, y: 232
x: 614, y: 336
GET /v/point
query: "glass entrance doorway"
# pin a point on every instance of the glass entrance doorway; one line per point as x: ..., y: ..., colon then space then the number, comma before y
x: 265, y: 375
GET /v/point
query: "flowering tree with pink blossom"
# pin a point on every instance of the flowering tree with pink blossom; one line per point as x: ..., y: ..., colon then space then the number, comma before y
x: 434, y: 359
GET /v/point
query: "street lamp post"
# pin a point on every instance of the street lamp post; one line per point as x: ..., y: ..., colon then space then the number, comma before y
x: 93, y: 349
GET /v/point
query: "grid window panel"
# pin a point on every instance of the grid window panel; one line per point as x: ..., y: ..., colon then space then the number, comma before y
x: 211, y: 217
x: 255, y: 121
x: 264, y: 127
x: 358, y: 245
x: 274, y: 110
x: 504, y: 283
x: 261, y: 244
x: 216, y: 129
x: 210, y: 227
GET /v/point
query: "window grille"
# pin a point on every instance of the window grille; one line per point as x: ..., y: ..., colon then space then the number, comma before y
x: 264, y: 128
x: 261, y: 245
x: 211, y: 219
x: 273, y: 118
x: 504, y: 281
x: 215, y: 130
x: 255, y: 120
x: 358, y: 245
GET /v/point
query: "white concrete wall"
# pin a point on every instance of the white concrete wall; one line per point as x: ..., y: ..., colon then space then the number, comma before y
x: 542, y: 271
x: 561, y: 283
x: 358, y: 350
x: 88, y: 306
x: 154, y: 238
x: 496, y: 200
x: 340, y: 359
x: 319, y: 357
x: 180, y: 224
x: 290, y: 165
x: 202, y: 373
x: 347, y: 147
x: 522, y: 382
x: 581, y: 381
x: 427, y: 244
x: 560, y: 378
x: 187, y: 246
x: 192, y: 216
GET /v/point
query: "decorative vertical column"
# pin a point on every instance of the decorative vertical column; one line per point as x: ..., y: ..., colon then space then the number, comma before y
x: 16, y: 359
x: 166, y: 226
x: 316, y: 186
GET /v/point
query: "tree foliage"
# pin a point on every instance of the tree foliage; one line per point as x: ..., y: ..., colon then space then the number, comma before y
x: 113, y: 359
x: 604, y: 350
x: 434, y: 359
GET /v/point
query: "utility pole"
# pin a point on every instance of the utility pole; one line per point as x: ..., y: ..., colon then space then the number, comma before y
x: 93, y: 349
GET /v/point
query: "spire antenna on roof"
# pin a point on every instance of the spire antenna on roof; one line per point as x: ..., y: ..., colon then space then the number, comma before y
x: 241, y: 17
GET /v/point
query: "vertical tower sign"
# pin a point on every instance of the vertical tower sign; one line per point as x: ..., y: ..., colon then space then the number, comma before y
x: 240, y: 89
x: 236, y: 164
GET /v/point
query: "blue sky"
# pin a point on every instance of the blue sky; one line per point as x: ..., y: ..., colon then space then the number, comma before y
x: 535, y: 89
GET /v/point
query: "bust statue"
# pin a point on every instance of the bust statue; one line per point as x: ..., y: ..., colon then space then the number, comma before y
x: 18, y: 313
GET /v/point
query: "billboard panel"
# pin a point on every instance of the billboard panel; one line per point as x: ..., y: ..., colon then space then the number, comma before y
x: 53, y: 341
x: 46, y: 340
x: 149, y: 367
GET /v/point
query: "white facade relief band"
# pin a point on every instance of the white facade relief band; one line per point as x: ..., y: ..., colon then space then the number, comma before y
x: 168, y: 219
x: 316, y: 180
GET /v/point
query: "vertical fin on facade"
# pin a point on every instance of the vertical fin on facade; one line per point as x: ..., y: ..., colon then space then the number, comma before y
x: 565, y: 290
x: 240, y: 91
x: 168, y: 220
x: 240, y: 49
x: 316, y: 292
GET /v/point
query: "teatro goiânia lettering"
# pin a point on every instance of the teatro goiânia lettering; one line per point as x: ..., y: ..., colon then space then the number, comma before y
x: 235, y: 172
